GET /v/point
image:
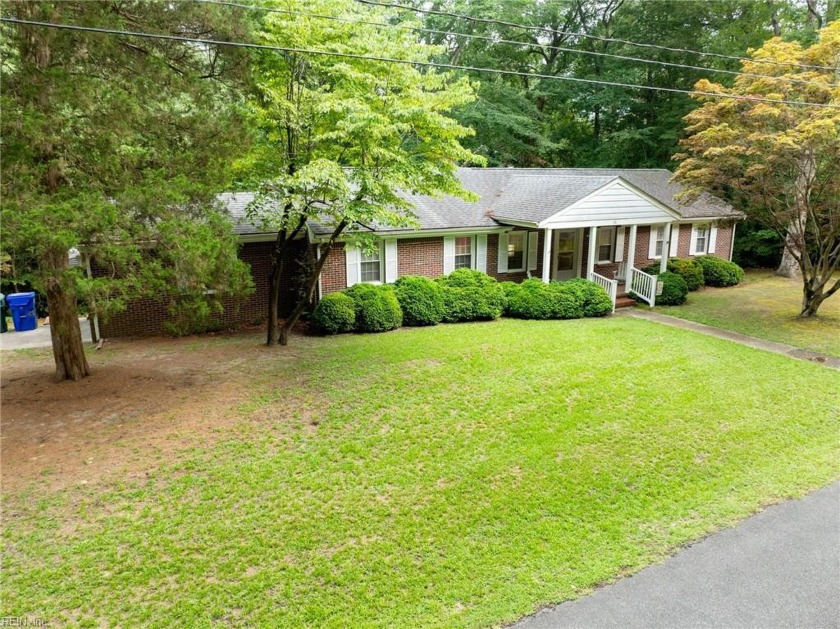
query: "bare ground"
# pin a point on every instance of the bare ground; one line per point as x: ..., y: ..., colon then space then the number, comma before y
x: 145, y: 401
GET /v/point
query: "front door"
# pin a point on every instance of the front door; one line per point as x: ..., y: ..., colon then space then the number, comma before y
x: 565, y: 254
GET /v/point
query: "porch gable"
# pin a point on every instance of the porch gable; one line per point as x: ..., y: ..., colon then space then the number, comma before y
x: 616, y: 203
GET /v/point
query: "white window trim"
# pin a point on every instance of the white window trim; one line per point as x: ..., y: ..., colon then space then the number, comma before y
x: 523, y: 237
x: 472, y: 253
x: 354, y: 264
x: 654, y: 238
x: 598, y: 245
x: 693, y: 251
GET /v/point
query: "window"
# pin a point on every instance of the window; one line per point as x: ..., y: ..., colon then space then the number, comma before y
x: 463, y: 252
x: 660, y: 241
x: 371, y: 265
x: 516, y: 251
x: 606, y: 237
x: 701, y: 238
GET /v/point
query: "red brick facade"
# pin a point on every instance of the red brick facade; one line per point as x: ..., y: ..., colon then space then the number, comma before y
x: 415, y: 256
x: 147, y: 317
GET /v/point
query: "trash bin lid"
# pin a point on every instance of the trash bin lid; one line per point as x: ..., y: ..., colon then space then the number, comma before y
x: 20, y: 299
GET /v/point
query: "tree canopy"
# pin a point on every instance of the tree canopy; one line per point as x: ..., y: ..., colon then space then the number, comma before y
x: 116, y: 146
x: 345, y: 142
x: 779, y: 161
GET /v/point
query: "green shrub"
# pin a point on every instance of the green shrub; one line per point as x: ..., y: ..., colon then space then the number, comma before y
x: 720, y: 272
x: 510, y: 289
x: 421, y: 300
x: 533, y: 300
x: 674, y: 289
x: 594, y: 300
x: 567, y: 300
x: 689, y: 268
x: 558, y: 300
x: 376, y: 307
x: 335, y: 313
x: 470, y: 295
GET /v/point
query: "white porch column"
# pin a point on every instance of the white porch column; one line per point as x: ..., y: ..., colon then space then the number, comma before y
x: 631, y: 251
x: 593, y: 245
x: 546, y: 265
x: 666, y: 247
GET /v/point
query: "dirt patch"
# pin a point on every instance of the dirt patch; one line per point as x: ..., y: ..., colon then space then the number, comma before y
x: 144, y: 402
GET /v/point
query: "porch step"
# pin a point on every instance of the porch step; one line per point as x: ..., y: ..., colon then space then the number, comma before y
x: 624, y: 302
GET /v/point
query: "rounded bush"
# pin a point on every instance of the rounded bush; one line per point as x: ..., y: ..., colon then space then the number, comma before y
x: 510, y: 289
x: 376, y: 307
x: 720, y: 272
x: 470, y: 295
x: 335, y: 313
x: 421, y: 300
x: 594, y: 300
x: 689, y: 269
x: 533, y: 300
x: 674, y: 289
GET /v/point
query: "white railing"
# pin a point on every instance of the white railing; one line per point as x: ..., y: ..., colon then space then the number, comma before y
x: 611, y: 286
x: 621, y: 272
x: 643, y: 285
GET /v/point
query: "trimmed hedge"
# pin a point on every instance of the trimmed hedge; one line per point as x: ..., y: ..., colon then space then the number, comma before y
x: 688, y: 268
x: 558, y: 300
x: 470, y: 295
x: 510, y: 289
x: 594, y: 299
x: 674, y: 289
x: 421, y: 300
x: 376, y: 307
x: 720, y: 272
x: 335, y: 313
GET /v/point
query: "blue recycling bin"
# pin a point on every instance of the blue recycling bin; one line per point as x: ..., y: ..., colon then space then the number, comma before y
x: 22, y: 306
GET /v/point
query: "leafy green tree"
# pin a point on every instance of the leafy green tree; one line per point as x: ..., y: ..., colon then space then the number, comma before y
x: 778, y: 161
x: 116, y: 145
x: 345, y: 141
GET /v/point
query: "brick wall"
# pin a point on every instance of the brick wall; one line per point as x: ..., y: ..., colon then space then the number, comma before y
x: 420, y: 256
x: 146, y: 317
x: 334, y: 272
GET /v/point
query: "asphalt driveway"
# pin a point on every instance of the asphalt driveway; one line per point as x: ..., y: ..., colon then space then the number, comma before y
x: 780, y: 568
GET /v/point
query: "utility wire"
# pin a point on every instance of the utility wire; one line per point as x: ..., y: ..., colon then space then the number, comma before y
x: 426, y: 64
x: 546, y: 29
x: 495, y: 40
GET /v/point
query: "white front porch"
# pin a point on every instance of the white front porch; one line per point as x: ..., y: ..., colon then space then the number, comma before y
x: 605, y: 254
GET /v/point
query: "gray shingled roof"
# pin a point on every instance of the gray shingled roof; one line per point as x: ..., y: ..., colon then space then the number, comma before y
x: 521, y: 194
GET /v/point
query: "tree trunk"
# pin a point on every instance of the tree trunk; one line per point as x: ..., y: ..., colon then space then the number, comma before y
x: 309, y: 287
x: 788, y: 267
x: 65, y: 331
x: 274, y: 297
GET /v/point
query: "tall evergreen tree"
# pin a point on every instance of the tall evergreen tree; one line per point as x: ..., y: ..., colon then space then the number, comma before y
x: 116, y: 145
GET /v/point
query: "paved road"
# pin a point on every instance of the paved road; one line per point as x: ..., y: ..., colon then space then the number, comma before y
x: 780, y: 568
x: 39, y: 337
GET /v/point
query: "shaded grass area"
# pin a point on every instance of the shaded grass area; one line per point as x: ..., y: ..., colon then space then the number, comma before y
x: 457, y: 476
x: 765, y: 306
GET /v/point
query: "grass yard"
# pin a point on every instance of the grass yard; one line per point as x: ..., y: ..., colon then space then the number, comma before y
x: 457, y: 476
x: 765, y: 306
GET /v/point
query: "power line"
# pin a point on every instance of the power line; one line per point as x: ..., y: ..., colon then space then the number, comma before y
x: 426, y: 64
x: 494, y: 40
x: 545, y: 29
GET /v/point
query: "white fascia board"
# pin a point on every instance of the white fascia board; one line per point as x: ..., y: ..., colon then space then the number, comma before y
x: 516, y: 223
x: 423, y: 233
x: 602, y: 223
x: 551, y: 221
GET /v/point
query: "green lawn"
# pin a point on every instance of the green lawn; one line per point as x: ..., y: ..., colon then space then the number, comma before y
x: 765, y: 306
x: 457, y: 476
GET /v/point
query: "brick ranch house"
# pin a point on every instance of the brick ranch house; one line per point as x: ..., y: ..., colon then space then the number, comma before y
x: 526, y: 223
